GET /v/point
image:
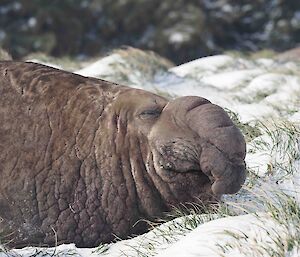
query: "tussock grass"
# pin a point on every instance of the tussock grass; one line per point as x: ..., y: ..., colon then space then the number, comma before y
x: 4, y: 55
x: 174, y: 226
x: 187, y: 217
x: 101, y: 249
x: 249, y: 131
x: 279, y: 229
x: 43, y: 252
x: 264, y: 53
x: 135, y: 67
x: 281, y: 140
x: 5, y: 239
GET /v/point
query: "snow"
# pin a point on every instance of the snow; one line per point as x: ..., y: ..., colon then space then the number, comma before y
x: 102, y: 67
x: 44, y: 63
x: 208, y: 64
x: 208, y: 239
x: 259, y: 91
x: 231, y: 80
x: 295, y: 117
x: 266, y: 84
x: 251, y: 112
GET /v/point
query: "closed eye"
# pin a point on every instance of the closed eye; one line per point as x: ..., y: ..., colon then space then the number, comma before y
x: 150, y: 114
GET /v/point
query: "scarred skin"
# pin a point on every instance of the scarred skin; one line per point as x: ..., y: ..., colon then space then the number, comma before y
x: 82, y: 160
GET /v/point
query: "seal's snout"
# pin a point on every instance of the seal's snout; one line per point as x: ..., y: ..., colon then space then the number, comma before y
x: 194, y: 136
x: 223, y: 148
x: 182, y: 105
x: 231, y: 180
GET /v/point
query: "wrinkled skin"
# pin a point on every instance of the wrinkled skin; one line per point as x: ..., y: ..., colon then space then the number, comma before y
x: 82, y: 160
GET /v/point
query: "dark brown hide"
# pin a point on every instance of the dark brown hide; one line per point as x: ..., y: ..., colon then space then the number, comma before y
x: 82, y: 159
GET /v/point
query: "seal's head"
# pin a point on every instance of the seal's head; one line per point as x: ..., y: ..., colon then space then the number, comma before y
x: 190, y: 147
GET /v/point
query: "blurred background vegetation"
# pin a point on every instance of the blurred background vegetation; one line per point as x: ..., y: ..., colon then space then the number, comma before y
x: 180, y: 30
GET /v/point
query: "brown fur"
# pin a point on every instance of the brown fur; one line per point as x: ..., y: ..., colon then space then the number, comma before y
x: 82, y: 159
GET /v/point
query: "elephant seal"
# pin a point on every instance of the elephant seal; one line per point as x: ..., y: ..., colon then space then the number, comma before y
x: 82, y: 159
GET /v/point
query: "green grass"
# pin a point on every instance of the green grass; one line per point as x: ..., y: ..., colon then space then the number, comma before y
x: 174, y: 226
x: 249, y: 131
x: 278, y: 240
x: 281, y: 141
x: 101, y: 249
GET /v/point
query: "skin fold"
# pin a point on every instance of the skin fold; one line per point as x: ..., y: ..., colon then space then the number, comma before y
x: 82, y: 160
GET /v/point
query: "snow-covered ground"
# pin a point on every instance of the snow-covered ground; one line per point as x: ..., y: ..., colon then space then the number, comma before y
x: 263, y: 98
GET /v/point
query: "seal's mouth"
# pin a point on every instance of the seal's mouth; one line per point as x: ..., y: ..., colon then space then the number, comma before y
x: 223, y: 173
x: 185, y: 168
x: 224, y: 178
